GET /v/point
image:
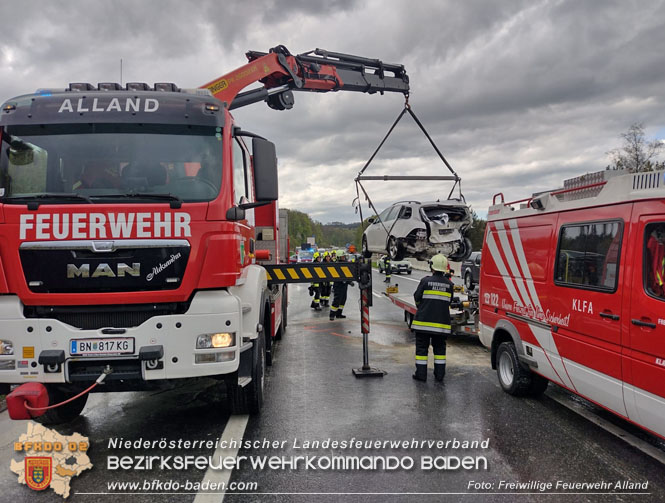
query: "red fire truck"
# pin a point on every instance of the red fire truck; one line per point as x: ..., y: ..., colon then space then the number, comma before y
x: 129, y: 238
x: 571, y: 291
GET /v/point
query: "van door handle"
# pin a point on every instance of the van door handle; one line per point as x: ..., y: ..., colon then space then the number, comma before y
x: 641, y: 323
x: 614, y: 317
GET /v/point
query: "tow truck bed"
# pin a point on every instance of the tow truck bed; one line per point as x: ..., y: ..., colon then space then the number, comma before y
x: 463, y: 320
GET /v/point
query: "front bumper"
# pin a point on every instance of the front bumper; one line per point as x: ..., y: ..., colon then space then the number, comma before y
x: 209, y: 312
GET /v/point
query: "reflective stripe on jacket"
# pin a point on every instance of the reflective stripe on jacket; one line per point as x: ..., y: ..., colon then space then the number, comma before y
x: 433, y: 297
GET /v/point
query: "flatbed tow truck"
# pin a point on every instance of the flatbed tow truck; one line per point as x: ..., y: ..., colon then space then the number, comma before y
x: 463, y: 309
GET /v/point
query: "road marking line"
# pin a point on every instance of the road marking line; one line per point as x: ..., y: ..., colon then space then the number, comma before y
x: 617, y: 431
x: 234, y: 430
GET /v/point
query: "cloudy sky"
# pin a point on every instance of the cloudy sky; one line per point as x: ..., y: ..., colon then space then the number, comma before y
x: 518, y: 95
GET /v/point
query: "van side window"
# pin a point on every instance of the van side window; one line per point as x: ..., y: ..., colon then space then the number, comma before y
x: 588, y: 255
x: 654, y: 259
x: 405, y: 212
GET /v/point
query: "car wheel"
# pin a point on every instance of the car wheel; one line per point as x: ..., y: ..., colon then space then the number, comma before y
x: 512, y: 377
x: 365, y: 249
x: 468, y: 280
x: 463, y: 252
x: 395, y: 249
x: 408, y: 271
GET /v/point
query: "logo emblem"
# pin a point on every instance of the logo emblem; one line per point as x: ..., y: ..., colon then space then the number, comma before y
x: 38, y: 472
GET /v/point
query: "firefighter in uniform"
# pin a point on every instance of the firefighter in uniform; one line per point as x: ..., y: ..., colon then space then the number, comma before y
x: 389, y: 269
x: 315, y: 288
x: 432, y: 321
x: 325, y: 286
x: 339, y: 290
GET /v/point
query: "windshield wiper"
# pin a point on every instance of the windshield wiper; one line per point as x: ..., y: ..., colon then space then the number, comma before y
x: 35, y: 200
x: 176, y: 202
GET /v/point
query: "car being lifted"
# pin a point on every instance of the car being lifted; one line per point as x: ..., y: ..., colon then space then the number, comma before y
x: 420, y: 230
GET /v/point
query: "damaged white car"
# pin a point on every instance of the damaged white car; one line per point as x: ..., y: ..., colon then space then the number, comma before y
x: 420, y: 230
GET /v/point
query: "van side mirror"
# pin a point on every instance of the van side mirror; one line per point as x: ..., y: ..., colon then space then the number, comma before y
x: 371, y: 220
x: 265, y: 169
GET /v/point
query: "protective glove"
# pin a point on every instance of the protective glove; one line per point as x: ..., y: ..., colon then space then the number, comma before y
x: 311, y: 291
x: 351, y: 283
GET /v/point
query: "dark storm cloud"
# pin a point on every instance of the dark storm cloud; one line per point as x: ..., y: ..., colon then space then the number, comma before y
x: 518, y: 94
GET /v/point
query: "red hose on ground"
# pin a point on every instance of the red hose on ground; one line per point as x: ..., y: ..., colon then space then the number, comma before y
x: 35, y: 409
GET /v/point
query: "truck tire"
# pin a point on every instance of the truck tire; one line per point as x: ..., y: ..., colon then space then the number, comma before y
x: 65, y: 413
x: 248, y: 400
x: 285, y: 308
x: 512, y: 377
x: 269, y: 349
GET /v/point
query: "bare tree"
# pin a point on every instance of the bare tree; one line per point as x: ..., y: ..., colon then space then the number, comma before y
x: 637, y: 153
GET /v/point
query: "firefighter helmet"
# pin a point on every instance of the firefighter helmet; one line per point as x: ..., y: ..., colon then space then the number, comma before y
x: 439, y: 263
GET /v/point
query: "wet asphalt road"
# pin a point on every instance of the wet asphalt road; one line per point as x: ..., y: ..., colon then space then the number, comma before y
x: 313, y: 396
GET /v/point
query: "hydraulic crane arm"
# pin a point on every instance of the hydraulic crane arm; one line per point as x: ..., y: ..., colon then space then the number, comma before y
x: 280, y: 72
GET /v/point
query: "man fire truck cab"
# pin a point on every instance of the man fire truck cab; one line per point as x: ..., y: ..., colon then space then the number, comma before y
x: 127, y: 230
x: 572, y: 292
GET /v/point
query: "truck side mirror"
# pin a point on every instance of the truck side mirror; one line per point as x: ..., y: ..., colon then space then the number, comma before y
x: 265, y: 169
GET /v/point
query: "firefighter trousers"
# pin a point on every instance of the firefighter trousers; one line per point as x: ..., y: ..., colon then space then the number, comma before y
x: 438, y: 341
x: 339, y: 298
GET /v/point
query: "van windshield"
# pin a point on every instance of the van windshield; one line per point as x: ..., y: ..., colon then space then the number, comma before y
x: 110, y: 162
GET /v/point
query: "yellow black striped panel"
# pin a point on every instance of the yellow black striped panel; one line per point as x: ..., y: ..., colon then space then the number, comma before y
x: 309, y: 272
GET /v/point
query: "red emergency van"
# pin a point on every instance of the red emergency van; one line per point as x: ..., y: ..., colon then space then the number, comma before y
x: 572, y: 291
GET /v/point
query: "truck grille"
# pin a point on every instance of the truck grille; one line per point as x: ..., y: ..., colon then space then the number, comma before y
x: 96, y: 317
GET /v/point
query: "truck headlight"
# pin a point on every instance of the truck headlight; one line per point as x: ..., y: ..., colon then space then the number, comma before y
x: 6, y: 347
x: 218, y: 340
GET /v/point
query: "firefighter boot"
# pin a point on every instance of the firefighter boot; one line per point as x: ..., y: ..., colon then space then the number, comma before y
x: 439, y: 371
x: 421, y: 373
x: 340, y: 315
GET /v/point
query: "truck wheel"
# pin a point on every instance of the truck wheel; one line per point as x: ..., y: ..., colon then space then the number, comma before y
x: 248, y: 400
x: 285, y: 308
x: 408, y: 271
x: 269, y: 349
x: 64, y: 413
x: 365, y: 249
x: 512, y: 377
x: 468, y: 280
x: 408, y: 317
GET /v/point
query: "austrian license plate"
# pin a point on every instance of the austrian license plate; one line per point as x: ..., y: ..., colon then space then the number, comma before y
x: 106, y: 346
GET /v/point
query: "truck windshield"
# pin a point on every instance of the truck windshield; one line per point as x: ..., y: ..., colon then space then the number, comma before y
x: 95, y: 163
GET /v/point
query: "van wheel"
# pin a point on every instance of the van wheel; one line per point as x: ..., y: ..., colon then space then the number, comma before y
x: 248, y: 400
x: 64, y: 413
x: 395, y: 249
x: 512, y: 377
x: 365, y: 249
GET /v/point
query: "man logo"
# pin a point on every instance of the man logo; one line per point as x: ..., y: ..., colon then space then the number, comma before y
x: 38, y: 472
